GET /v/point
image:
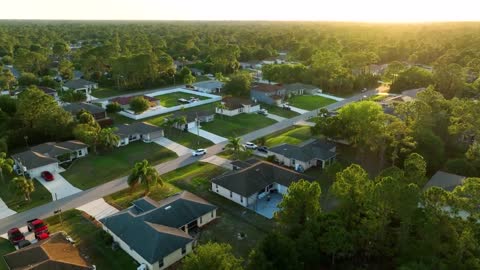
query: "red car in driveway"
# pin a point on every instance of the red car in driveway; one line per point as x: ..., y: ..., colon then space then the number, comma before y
x: 15, y: 236
x: 48, y: 176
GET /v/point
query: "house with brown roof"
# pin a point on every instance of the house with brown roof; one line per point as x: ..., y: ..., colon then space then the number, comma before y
x: 54, y: 253
x: 158, y: 234
x: 257, y: 185
x: 268, y: 93
x: 235, y: 105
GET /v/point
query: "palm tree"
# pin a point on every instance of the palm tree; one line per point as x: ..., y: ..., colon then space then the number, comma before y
x: 235, y: 145
x: 23, y: 186
x: 221, y: 107
x: 183, y: 121
x: 108, y: 138
x: 144, y: 174
x: 5, y: 164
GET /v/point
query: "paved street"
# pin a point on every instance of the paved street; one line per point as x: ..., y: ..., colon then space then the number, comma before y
x: 87, y: 196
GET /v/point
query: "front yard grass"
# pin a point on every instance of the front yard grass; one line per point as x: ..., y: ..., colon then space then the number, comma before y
x: 293, y: 135
x: 16, y: 202
x: 186, y: 138
x: 278, y: 111
x: 90, y: 241
x: 234, y: 126
x: 170, y: 100
x: 309, y: 102
x: 5, y: 248
x: 96, y: 169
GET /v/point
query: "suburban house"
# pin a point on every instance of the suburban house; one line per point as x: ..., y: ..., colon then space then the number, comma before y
x: 125, y: 101
x: 193, y: 118
x: 235, y: 106
x: 257, y: 185
x: 268, y: 93
x: 251, y: 65
x: 308, y: 154
x: 97, y: 112
x: 49, y: 91
x: 80, y: 85
x: 209, y: 86
x: 77, y: 74
x: 447, y: 181
x: 17, y: 74
x: 55, y: 252
x: 413, y: 92
x: 158, y: 234
x: 48, y: 156
x: 137, y: 131
x: 296, y: 89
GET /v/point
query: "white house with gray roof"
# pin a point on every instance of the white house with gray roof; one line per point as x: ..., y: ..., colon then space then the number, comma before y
x: 137, y: 131
x: 309, y: 154
x: 48, y: 156
x: 158, y: 234
x: 80, y: 85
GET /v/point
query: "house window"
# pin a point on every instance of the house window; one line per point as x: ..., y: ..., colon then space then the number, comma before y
x: 211, y: 214
x: 201, y: 220
x: 293, y: 161
x: 160, y: 263
x: 241, y: 199
x: 184, y: 250
x: 231, y: 194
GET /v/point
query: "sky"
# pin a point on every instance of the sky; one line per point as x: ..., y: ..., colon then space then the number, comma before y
x: 274, y: 10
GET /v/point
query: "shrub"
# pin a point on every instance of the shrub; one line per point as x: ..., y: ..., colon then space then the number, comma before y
x: 114, y: 107
x: 139, y: 105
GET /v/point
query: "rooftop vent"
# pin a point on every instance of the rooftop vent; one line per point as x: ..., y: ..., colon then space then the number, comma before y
x: 168, y: 207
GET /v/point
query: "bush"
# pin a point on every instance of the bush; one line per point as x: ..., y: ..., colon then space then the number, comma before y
x: 139, y: 105
x: 114, y: 107
x: 460, y: 166
x: 72, y: 96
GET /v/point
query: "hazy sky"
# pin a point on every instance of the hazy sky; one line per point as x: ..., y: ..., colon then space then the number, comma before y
x: 331, y: 10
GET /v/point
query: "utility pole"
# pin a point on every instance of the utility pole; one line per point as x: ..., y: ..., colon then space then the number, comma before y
x: 198, y: 130
x: 58, y: 211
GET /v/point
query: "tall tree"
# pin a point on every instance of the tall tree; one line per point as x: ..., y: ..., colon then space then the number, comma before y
x: 108, y: 138
x: 6, y: 164
x: 239, y: 85
x: 23, y: 187
x: 235, y: 145
x: 211, y: 256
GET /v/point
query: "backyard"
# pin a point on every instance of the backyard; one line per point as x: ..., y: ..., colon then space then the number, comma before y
x: 309, y: 102
x: 294, y: 135
x: 278, y: 111
x: 96, y: 169
x: 171, y: 100
x: 91, y: 240
x: 17, y: 202
x: 160, y: 119
x: 227, y: 126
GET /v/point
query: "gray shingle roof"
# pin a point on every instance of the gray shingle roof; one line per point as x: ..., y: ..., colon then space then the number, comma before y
x: 250, y: 180
x: 209, y: 85
x: 33, y: 160
x: 155, y: 233
x: 125, y: 130
x: 447, y: 181
x: 316, y: 149
x: 80, y: 83
x: 74, y: 108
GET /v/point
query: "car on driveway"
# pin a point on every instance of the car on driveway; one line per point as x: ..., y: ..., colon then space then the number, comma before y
x: 199, y: 152
x: 15, y: 236
x: 262, y: 112
x: 47, y: 176
x: 263, y: 149
x: 286, y: 107
x: 37, y: 226
x: 250, y: 145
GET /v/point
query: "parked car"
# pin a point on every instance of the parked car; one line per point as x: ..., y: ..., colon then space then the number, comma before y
x: 286, y: 107
x: 15, y: 236
x: 199, y: 152
x: 182, y: 100
x: 48, y: 176
x: 262, y: 112
x: 42, y: 236
x: 189, y: 86
x: 250, y: 145
x: 263, y: 149
x: 37, y: 226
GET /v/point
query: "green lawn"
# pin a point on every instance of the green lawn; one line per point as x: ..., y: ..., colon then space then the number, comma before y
x: 293, y: 135
x: 278, y: 111
x: 170, y: 100
x: 120, y: 119
x: 94, y: 170
x: 159, y: 119
x: 187, y: 139
x: 124, y: 198
x: 90, y: 240
x: 309, y: 102
x: 17, y: 202
x: 227, y: 126
x: 5, y: 248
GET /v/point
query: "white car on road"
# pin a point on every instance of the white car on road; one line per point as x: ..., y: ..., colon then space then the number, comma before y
x: 250, y: 145
x: 199, y: 152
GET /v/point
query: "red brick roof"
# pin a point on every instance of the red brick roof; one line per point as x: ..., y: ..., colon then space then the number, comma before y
x: 126, y: 100
x: 264, y: 87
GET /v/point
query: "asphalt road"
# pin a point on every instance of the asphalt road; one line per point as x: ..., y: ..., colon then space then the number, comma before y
x: 86, y: 196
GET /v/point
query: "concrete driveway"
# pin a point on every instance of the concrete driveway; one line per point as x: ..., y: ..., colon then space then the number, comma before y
x: 179, y: 149
x: 208, y: 135
x: 59, y: 188
x: 275, y: 117
x: 98, y: 209
x: 298, y: 110
x: 219, y: 161
x: 5, y: 211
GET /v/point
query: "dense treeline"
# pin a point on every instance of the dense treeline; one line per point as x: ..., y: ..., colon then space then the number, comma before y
x: 334, y: 56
